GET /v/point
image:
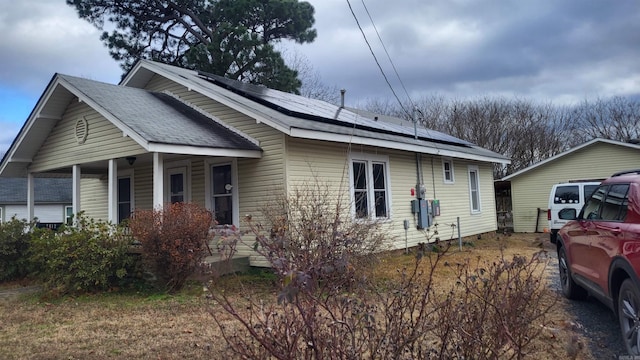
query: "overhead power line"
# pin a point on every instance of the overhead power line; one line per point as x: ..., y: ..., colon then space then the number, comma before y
x: 388, y: 56
x: 376, y: 60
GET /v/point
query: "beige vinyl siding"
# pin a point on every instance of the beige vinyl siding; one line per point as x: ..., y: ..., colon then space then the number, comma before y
x: 104, y: 141
x: 530, y: 190
x: 329, y: 161
x: 197, y: 181
x: 455, y: 198
x: 143, y: 187
x: 94, y: 194
x: 257, y: 178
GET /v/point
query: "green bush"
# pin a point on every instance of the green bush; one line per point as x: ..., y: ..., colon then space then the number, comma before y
x: 93, y: 256
x: 14, y: 244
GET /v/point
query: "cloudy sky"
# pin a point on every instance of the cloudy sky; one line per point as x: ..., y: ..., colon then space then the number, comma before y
x: 543, y: 50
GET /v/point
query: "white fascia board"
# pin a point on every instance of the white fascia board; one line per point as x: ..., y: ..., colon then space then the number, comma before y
x: 126, y: 131
x: 218, y: 94
x: 319, y: 135
x: 9, y: 155
x: 205, y: 151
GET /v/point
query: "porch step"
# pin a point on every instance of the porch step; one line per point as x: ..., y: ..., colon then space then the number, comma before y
x: 217, y: 265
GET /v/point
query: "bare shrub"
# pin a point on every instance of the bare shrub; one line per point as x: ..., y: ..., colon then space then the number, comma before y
x: 174, y: 241
x: 495, y: 310
x: 330, y: 306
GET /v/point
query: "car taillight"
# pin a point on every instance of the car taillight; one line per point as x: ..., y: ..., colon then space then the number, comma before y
x: 549, y: 214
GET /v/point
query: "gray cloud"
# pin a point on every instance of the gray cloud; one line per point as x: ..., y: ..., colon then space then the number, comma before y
x: 548, y: 50
x: 545, y: 49
x: 42, y: 37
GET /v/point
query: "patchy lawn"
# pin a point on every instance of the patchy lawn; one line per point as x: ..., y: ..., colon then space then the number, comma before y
x: 140, y: 325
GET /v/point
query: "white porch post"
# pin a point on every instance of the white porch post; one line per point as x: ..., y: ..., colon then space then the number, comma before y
x: 30, y: 197
x: 158, y: 181
x: 113, y: 191
x: 76, y: 191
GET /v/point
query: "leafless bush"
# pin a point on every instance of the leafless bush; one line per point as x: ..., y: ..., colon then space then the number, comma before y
x: 495, y: 310
x: 329, y: 307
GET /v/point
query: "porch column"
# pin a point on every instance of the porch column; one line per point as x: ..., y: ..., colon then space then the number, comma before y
x: 113, y: 191
x: 158, y: 181
x: 30, y: 197
x: 75, y: 176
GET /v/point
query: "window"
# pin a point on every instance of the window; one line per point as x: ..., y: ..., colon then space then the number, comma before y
x: 370, y: 187
x: 68, y: 215
x: 222, y: 193
x: 124, y: 198
x: 474, y: 189
x: 567, y: 195
x: 1, y: 215
x: 592, y: 207
x: 614, y: 207
x: 177, y: 184
x: 447, y: 169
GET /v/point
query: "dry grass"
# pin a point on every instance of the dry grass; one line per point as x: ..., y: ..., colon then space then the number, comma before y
x: 141, y: 326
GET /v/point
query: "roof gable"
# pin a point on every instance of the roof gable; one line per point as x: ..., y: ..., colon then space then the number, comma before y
x: 568, y: 152
x: 156, y: 121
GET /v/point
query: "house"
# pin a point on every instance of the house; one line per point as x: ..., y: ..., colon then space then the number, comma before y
x: 52, y: 200
x: 594, y: 160
x: 168, y: 134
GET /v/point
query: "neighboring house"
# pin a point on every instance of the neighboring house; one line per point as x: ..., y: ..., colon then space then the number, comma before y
x: 594, y: 160
x: 52, y: 200
x: 168, y: 134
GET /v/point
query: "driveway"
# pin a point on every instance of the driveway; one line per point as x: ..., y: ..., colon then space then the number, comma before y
x: 594, y: 320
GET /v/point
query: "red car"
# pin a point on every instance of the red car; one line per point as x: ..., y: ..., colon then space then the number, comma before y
x: 599, y: 252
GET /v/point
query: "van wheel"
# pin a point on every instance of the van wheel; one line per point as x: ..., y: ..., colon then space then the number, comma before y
x: 553, y: 236
x: 629, y: 316
x: 570, y: 289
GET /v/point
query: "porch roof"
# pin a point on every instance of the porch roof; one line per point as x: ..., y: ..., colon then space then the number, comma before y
x: 160, y: 117
x: 159, y: 122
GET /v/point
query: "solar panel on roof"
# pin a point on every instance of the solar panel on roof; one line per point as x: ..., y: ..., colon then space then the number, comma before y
x: 312, y: 109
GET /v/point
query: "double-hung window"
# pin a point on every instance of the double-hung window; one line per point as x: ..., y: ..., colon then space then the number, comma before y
x: 474, y: 189
x: 370, y: 187
x: 447, y: 169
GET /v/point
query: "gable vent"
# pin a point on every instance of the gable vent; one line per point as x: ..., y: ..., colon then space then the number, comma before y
x: 81, y: 130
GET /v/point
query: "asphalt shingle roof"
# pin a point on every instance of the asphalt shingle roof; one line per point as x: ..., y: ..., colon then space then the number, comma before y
x: 160, y: 117
x: 330, y: 118
x: 46, y: 190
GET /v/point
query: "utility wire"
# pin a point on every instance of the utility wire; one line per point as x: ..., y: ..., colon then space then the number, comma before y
x: 377, y: 62
x: 388, y: 56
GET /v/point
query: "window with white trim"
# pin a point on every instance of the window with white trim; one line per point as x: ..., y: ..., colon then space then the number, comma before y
x: 447, y: 170
x: 370, y: 187
x: 1, y: 218
x: 221, y: 191
x: 177, y: 184
x: 68, y: 215
x: 474, y: 189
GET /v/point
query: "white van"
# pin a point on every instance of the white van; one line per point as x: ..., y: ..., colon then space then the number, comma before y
x: 567, y: 195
